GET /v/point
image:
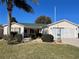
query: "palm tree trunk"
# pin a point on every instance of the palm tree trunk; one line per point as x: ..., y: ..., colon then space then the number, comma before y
x: 9, y: 23
x: 9, y: 9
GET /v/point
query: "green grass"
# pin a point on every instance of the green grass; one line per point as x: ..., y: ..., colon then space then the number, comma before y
x: 38, y: 51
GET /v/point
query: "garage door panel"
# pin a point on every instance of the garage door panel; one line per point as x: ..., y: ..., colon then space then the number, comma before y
x: 67, y: 33
x: 64, y: 33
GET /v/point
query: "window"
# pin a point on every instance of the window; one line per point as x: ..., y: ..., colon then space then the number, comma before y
x: 32, y: 31
x: 58, y: 34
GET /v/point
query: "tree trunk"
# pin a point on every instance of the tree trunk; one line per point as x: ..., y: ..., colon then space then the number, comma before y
x: 9, y: 9
x: 9, y: 23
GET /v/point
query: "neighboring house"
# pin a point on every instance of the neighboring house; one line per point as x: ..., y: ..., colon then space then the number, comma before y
x: 1, y: 31
x: 62, y: 29
x: 25, y: 29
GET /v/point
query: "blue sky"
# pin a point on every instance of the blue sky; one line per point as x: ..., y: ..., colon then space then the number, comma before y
x: 66, y: 9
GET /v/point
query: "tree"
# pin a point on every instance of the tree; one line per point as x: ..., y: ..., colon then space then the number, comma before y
x: 43, y: 20
x: 18, y: 3
x: 13, y: 19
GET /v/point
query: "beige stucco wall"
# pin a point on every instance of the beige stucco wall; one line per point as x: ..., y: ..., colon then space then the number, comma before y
x: 5, y: 30
x: 64, y: 26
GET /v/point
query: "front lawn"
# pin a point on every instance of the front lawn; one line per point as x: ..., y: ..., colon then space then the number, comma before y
x: 38, y: 51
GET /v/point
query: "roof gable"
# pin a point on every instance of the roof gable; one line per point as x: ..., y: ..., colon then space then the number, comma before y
x: 64, y: 20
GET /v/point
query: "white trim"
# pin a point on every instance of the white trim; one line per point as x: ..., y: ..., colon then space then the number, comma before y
x: 64, y: 20
x: 13, y: 24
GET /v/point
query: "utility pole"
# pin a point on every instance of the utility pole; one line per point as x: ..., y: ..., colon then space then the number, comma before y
x: 55, y: 13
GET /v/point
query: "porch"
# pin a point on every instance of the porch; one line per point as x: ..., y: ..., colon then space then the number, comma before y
x: 30, y: 31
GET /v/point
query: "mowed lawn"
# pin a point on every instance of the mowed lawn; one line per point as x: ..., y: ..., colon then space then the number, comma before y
x: 38, y: 51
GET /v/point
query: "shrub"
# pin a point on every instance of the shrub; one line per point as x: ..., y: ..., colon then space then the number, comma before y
x: 12, y: 42
x: 39, y: 35
x: 47, y: 38
x: 6, y: 37
x: 13, y: 39
x: 33, y: 36
x: 1, y: 37
x: 11, y: 36
x: 10, y: 39
x: 78, y: 35
x: 18, y: 37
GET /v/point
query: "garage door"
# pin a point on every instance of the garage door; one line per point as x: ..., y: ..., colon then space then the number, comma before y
x: 63, y: 33
x: 67, y: 33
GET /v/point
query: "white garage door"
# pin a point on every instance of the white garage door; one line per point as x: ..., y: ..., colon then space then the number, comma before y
x: 63, y: 33
x: 67, y: 33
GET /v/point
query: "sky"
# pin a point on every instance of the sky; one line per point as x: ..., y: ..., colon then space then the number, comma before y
x: 66, y: 9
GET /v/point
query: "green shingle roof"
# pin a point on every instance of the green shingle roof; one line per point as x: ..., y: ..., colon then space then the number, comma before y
x: 31, y: 25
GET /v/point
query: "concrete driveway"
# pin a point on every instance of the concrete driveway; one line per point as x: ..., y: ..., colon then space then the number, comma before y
x: 74, y: 42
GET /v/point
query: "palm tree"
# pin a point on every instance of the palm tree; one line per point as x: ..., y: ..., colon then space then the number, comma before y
x: 18, y: 3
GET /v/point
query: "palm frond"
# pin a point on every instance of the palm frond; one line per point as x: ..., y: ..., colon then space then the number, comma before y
x: 2, y: 1
x: 23, y: 5
x: 13, y: 19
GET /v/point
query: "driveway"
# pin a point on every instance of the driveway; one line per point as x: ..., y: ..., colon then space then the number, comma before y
x: 74, y: 42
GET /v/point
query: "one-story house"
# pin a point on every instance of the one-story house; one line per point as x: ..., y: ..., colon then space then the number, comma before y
x: 1, y: 31
x: 26, y: 29
x: 62, y: 29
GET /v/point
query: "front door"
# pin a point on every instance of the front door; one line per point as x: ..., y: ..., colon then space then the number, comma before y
x: 58, y: 34
x: 26, y: 32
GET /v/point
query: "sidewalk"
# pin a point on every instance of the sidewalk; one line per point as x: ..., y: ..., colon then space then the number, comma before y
x: 74, y: 42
